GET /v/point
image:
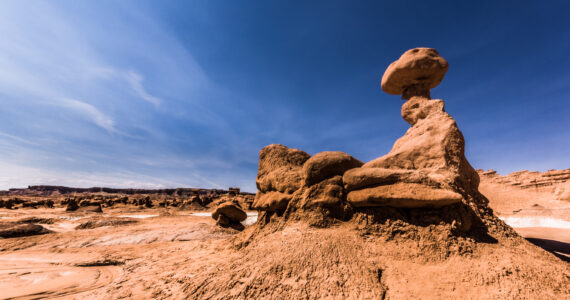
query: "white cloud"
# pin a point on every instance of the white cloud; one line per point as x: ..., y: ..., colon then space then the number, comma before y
x: 89, y: 111
x: 22, y: 176
x: 135, y: 80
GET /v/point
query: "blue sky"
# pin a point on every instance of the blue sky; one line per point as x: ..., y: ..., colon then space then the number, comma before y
x: 185, y: 93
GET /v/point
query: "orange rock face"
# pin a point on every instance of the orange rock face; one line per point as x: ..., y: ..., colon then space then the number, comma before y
x: 415, y: 73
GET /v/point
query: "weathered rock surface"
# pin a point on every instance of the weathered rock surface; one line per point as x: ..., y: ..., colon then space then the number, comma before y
x: 415, y: 73
x: 434, y: 145
x: 552, y: 179
x: 72, y: 205
x: 11, y: 229
x: 271, y: 201
x: 425, y: 168
x: 562, y: 192
x: 406, y: 195
x: 90, y: 208
x: 279, y: 175
x: 327, y: 193
x: 230, y: 211
x: 328, y: 164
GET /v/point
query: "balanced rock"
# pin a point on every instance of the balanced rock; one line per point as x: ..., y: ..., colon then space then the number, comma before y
x: 415, y: 73
x: 425, y: 168
x: 229, y: 212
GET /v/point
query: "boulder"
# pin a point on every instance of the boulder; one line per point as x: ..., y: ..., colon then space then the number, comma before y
x: 279, y: 175
x: 271, y: 201
x: 223, y: 221
x: 415, y: 73
x: 72, y: 205
x: 231, y: 211
x: 327, y: 193
x: 405, y: 195
x: 91, y: 208
x: 283, y: 179
x: 328, y: 164
x: 10, y: 230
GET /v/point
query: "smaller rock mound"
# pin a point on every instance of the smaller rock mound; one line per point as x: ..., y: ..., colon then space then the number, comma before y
x: 228, y: 214
x: 72, y: 205
x: 107, y: 222
x: 11, y: 230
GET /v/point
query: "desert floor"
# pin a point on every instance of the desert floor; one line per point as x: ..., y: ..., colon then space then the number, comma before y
x: 141, y: 253
x: 77, y: 262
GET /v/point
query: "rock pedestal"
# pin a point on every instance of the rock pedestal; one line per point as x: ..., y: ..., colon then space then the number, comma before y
x: 425, y: 168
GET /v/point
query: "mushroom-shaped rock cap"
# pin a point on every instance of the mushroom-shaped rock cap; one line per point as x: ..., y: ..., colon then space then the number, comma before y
x: 417, y: 69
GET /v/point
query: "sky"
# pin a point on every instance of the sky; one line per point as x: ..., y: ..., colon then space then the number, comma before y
x: 156, y: 94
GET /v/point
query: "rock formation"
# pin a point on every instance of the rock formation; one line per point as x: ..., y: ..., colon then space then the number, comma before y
x: 406, y: 225
x: 552, y: 181
x: 72, y: 205
x: 229, y: 213
x: 16, y: 229
x: 425, y: 168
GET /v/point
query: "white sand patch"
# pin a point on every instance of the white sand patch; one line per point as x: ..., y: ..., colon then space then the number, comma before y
x: 71, y: 218
x: 518, y: 222
x: 201, y: 214
x: 251, y: 219
x: 138, y: 216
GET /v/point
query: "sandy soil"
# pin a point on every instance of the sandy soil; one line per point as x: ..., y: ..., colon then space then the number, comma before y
x: 78, y: 263
x: 534, y: 214
x: 168, y: 253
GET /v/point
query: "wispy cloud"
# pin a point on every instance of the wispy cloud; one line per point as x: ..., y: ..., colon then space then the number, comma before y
x: 18, y: 139
x: 90, y: 112
x: 135, y: 80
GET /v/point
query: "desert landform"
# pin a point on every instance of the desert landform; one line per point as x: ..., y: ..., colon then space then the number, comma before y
x: 416, y: 223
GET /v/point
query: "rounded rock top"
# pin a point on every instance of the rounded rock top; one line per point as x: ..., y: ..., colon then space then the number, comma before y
x: 418, y: 67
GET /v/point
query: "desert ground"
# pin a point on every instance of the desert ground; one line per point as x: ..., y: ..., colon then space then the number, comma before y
x: 130, y: 251
x: 535, y: 204
x: 97, y: 253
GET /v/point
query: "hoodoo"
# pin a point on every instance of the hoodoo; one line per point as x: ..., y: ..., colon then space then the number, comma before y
x: 409, y: 224
x: 426, y: 168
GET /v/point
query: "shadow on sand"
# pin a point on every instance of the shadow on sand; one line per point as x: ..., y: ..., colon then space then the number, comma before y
x: 560, y: 249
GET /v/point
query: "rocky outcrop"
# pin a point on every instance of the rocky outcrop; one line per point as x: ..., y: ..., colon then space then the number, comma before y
x: 425, y: 168
x: 562, y: 192
x: 280, y: 174
x: 528, y: 179
x: 72, y: 205
x: 16, y: 229
x: 51, y: 190
x: 408, y: 220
